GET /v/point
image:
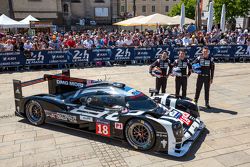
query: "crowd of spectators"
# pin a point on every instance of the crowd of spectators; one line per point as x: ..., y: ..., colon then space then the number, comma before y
x: 100, y: 38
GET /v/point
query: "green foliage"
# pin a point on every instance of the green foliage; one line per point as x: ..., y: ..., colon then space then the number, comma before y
x: 234, y: 8
x: 189, y: 8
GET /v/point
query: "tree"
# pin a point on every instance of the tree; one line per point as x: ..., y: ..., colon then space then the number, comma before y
x: 234, y: 8
x: 189, y: 8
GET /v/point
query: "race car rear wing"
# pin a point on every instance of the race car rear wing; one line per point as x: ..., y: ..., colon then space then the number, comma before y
x: 57, y: 84
x: 18, y: 85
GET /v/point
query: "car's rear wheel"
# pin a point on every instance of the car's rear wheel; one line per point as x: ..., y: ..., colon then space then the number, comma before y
x: 35, y: 113
x: 140, y: 134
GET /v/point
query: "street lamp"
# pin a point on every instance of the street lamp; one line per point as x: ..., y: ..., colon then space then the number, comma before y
x: 134, y: 7
x: 11, y: 13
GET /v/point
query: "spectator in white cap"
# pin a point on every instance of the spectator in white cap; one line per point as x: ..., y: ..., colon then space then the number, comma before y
x: 241, y: 40
x: 8, y: 46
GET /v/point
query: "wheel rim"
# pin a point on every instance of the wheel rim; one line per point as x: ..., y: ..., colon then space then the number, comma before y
x: 139, y: 135
x: 35, y: 113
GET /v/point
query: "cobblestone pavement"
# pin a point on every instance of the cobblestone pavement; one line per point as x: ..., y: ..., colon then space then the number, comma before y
x: 226, y: 142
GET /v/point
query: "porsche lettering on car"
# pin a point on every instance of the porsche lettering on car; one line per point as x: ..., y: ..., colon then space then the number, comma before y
x: 114, y: 110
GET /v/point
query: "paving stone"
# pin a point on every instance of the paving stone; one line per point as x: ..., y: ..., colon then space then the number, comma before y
x: 137, y: 160
x: 222, y: 143
x: 9, y: 149
x: 73, y: 164
x: 19, y: 136
x: 40, y: 158
x: 6, y: 156
x: 243, y: 165
x: 38, y: 144
x: 68, y: 139
x: 204, y: 163
x: 243, y: 138
x: 233, y: 159
x: 12, y: 162
x: 44, y: 137
x: 204, y: 148
x: 7, y: 143
x: 77, y: 150
x: 24, y: 140
x: 247, y: 151
x: 1, y: 138
x: 22, y: 153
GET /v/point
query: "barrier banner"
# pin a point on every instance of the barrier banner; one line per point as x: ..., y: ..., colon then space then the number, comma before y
x: 78, y: 55
x: 100, y: 55
x: 57, y: 57
x: 35, y: 58
x: 142, y: 53
x: 222, y: 51
x: 9, y: 59
x: 157, y: 51
x: 74, y: 56
x: 122, y: 54
x: 241, y: 51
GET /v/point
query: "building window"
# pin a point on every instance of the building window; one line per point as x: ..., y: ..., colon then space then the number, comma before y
x: 99, y: 1
x: 153, y: 8
x: 144, y: 9
x: 166, y: 8
x: 66, y: 8
x: 75, y: 1
x: 122, y: 8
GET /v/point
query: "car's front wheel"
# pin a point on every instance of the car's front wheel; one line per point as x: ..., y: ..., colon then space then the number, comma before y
x: 35, y: 113
x: 140, y: 134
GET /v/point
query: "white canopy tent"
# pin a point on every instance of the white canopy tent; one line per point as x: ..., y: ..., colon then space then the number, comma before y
x: 6, y: 22
x: 155, y: 19
x: 177, y: 18
x: 130, y: 22
x: 26, y: 21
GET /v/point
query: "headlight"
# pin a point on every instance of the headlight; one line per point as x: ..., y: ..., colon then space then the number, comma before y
x: 178, y: 131
x: 176, y: 125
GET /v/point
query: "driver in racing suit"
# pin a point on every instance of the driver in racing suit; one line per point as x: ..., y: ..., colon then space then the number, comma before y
x: 206, y: 76
x: 181, y: 81
x: 165, y: 65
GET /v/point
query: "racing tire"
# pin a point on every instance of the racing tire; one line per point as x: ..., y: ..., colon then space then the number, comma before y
x: 140, y: 134
x: 35, y: 113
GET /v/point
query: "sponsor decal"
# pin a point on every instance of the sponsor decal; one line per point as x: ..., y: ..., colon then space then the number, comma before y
x: 161, y: 134
x: 164, y: 143
x: 174, y: 114
x: 192, y: 118
x: 69, y: 83
x: 103, y: 128
x: 184, y: 118
x: 61, y: 116
x: 122, y: 54
x: 118, y: 125
x: 17, y: 91
x: 86, y: 118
